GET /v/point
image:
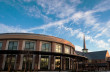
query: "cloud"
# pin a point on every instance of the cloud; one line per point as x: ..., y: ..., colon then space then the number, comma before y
x: 98, y: 43
x: 51, y: 24
x: 27, y: 0
x: 60, y: 8
x: 103, y: 6
x: 108, y: 40
x: 105, y: 30
x: 11, y: 29
x: 78, y: 48
x: 80, y: 35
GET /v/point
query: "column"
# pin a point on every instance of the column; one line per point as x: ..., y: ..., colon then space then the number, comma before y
x: 2, y: 61
x: 19, y: 57
x: 18, y: 62
x: 37, y: 57
x: 52, y: 65
x: 36, y: 62
x: 63, y: 58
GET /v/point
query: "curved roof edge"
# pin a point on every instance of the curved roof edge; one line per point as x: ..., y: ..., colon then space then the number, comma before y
x: 35, y: 36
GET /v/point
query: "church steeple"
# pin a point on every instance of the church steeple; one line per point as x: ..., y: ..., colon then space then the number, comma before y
x: 85, y: 50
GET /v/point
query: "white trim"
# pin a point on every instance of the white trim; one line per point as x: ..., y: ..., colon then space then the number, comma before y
x: 23, y: 46
x: 69, y: 64
x: 33, y: 62
x: 39, y: 61
x: 21, y: 61
x: 7, y: 45
x: 54, y: 62
x: 40, y: 46
x: 15, y: 61
x: 71, y: 50
x: 61, y: 62
x: 69, y: 61
x: 4, y: 59
x: 49, y: 62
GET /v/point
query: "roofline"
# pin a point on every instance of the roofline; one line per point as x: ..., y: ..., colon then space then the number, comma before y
x: 29, y: 34
x: 98, y: 51
x: 34, y: 36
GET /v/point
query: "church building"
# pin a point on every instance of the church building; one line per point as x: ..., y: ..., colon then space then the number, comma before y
x: 97, y: 60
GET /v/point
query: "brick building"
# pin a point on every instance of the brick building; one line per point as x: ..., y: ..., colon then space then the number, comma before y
x: 36, y: 52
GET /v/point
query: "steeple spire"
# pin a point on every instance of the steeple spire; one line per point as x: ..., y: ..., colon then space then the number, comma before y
x: 85, y: 50
x: 84, y: 43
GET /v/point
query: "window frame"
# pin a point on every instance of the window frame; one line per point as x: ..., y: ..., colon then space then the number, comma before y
x: 7, y: 45
x: 68, y: 63
x: 49, y: 50
x: 48, y: 57
x: 29, y: 46
x: 55, y: 62
x: 58, y: 48
x: 24, y: 57
x: 9, y: 56
x: 66, y: 48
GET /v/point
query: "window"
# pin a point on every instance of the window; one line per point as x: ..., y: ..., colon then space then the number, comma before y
x: 44, y: 62
x: 90, y: 61
x: 58, y: 48
x: 46, y: 46
x: 27, y: 62
x: 29, y: 45
x: 10, y: 62
x: 67, y: 63
x: 12, y: 45
x: 67, y: 49
x: 0, y: 45
x: 57, y: 62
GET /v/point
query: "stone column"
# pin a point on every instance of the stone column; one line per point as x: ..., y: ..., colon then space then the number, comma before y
x: 71, y: 63
x: 52, y: 65
x: 2, y: 59
x: 36, y: 62
x: 20, y: 46
x: 37, y: 58
x: 4, y: 44
x: 63, y: 58
x: 77, y: 65
x: 38, y: 45
x: 18, y: 60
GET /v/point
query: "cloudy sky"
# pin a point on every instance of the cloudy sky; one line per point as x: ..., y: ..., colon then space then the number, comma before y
x: 67, y: 19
